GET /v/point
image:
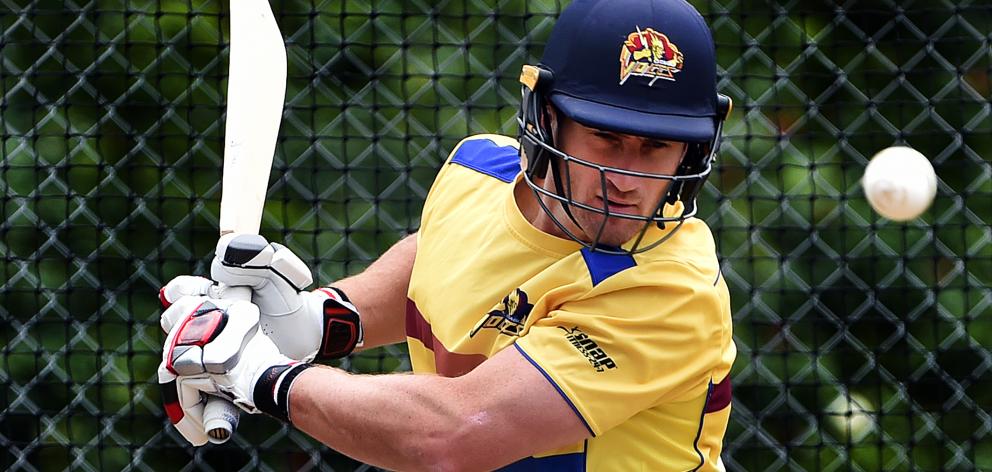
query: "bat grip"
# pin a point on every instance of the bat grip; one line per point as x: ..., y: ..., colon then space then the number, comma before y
x: 220, y: 416
x: 220, y: 419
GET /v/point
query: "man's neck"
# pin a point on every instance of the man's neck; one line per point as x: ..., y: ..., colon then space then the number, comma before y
x: 527, y: 203
x: 526, y: 199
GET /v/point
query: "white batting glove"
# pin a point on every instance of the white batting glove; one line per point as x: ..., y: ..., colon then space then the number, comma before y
x: 185, y: 410
x: 216, y: 348
x: 321, y: 324
x: 185, y: 286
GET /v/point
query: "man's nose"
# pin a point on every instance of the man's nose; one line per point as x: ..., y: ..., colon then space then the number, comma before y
x: 622, y: 181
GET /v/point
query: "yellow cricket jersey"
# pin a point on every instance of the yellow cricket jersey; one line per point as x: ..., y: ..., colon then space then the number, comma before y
x: 639, y: 346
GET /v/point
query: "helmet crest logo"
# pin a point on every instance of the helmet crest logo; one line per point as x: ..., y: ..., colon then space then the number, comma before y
x: 649, y: 54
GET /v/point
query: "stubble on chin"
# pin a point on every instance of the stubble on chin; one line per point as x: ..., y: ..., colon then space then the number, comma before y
x: 616, y: 232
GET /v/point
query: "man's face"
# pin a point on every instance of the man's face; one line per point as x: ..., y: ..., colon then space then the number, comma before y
x: 624, y: 194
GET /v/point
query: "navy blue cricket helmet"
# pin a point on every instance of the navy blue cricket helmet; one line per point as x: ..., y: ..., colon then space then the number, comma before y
x: 638, y: 67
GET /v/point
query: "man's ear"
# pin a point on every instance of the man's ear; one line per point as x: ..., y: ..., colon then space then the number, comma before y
x: 552, y: 115
x: 551, y: 122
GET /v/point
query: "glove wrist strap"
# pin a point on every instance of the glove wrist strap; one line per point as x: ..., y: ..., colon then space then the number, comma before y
x: 342, y: 326
x: 271, y: 393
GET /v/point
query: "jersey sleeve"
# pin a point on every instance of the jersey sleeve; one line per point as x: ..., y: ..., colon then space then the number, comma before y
x: 616, y: 354
x: 439, y: 194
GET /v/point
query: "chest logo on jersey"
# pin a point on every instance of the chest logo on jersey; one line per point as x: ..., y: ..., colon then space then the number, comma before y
x: 508, y: 317
x: 596, y: 356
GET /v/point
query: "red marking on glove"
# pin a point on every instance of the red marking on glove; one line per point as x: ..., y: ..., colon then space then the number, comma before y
x: 340, y: 336
x: 161, y: 298
x: 175, y: 412
x: 329, y: 293
x: 170, y: 399
x: 199, y: 329
x: 172, y: 345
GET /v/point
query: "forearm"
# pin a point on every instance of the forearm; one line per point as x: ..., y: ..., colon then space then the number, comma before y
x: 398, y: 422
x: 380, y: 293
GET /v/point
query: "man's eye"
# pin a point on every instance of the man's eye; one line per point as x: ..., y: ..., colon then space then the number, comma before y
x: 607, y: 136
x: 657, y: 144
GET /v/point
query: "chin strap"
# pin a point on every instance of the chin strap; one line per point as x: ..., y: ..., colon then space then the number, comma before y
x: 557, y: 165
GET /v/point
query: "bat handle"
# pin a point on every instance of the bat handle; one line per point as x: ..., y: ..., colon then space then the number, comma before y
x: 220, y: 419
x: 220, y: 416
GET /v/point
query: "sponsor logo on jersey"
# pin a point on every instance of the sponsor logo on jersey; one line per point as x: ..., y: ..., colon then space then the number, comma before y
x: 649, y: 54
x: 596, y: 356
x: 508, y: 316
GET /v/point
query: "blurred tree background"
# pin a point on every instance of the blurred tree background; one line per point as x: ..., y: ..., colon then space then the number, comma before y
x: 864, y: 344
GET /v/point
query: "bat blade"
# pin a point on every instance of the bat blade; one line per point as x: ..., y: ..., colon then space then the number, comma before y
x: 256, y: 90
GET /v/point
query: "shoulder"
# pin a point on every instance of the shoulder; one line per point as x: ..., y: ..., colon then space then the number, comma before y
x: 488, y: 154
x: 692, y: 245
x: 478, y: 168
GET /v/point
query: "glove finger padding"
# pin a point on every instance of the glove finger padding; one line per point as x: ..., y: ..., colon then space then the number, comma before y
x: 222, y: 351
x: 188, y: 285
x: 216, y: 348
x: 289, y: 315
x: 189, y: 354
x: 184, y: 408
x: 321, y: 324
x: 183, y: 403
x: 249, y: 260
x: 203, y: 321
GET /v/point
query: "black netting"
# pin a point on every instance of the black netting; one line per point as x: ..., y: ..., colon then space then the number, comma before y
x: 864, y: 344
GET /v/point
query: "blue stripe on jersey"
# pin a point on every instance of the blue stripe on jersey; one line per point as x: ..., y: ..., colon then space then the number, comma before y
x: 484, y: 156
x: 575, y: 461
x: 545, y: 374
x: 602, y: 265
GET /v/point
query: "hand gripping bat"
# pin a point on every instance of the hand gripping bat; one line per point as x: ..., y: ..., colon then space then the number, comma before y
x: 256, y: 89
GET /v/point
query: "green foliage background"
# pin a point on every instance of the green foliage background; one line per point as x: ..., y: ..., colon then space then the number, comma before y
x: 864, y: 344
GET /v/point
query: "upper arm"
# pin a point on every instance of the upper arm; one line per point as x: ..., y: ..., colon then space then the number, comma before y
x: 510, y: 411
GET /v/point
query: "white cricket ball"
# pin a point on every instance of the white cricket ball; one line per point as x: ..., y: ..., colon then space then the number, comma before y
x: 900, y: 183
x: 852, y: 417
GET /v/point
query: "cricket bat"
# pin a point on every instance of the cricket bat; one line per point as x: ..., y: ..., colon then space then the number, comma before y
x: 256, y: 89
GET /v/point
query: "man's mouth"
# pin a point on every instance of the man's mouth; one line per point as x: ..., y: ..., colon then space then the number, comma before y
x: 618, y: 206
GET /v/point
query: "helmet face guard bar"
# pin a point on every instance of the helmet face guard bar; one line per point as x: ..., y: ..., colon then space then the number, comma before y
x: 566, y: 202
x: 541, y: 152
x: 657, y: 217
